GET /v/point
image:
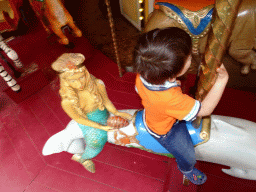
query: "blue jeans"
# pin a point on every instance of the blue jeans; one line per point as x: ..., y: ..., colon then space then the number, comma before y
x: 179, y: 143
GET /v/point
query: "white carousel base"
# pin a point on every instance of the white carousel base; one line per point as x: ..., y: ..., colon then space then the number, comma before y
x: 232, y: 143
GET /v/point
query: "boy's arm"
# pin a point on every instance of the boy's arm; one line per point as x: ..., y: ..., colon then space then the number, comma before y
x: 213, y: 97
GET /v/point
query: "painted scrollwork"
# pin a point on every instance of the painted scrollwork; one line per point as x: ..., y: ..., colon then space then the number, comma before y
x: 196, y: 24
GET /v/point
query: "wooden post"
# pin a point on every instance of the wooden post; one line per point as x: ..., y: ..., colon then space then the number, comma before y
x: 111, y: 23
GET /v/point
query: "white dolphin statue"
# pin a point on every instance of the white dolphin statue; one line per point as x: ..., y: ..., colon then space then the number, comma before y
x: 232, y: 142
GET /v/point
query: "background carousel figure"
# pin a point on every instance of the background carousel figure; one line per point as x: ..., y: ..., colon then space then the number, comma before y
x: 10, y: 53
x: 8, y: 79
x: 15, y: 59
x: 55, y: 18
x: 85, y: 100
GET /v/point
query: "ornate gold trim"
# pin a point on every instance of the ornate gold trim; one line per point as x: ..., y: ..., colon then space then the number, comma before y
x: 195, y: 18
x: 206, y: 129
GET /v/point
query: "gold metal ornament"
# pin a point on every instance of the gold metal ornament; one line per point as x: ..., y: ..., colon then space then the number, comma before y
x: 194, y: 17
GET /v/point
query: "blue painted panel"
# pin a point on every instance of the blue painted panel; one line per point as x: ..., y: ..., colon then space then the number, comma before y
x: 148, y: 141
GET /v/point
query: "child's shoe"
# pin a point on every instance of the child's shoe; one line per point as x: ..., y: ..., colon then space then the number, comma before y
x: 195, y: 176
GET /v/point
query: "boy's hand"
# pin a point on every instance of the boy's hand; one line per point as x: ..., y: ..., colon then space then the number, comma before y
x: 178, y: 82
x: 213, y: 97
x: 222, y: 73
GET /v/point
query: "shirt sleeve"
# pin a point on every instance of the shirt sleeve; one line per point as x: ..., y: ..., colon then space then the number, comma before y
x: 193, y: 113
x: 183, y: 107
x: 136, y: 89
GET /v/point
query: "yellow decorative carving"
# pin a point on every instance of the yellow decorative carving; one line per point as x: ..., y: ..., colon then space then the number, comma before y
x: 206, y: 128
x: 194, y: 16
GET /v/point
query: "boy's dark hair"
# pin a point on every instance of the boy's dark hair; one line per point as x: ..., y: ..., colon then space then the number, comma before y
x: 161, y: 54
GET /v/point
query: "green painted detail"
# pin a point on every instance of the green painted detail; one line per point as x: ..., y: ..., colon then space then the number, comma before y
x: 95, y: 139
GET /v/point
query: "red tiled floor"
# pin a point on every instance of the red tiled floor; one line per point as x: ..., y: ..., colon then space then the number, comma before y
x: 215, y: 169
x: 23, y: 145
x: 26, y: 127
x: 174, y: 178
x: 118, y: 84
x: 14, y: 175
x: 215, y: 183
x: 123, y: 106
x: 35, y: 186
x: 49, y: 121
x: 49, y: 96
x: 143, y: 165
x: 32, y: 126
x: 241, y: 104
x: 124, y: 98
x: 109, y: 174
x: 66, y: 181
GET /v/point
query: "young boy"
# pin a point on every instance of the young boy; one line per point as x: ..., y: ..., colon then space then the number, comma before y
x: 161, y: 56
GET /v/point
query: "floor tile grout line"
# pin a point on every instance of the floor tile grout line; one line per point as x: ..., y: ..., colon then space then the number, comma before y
x: 52, y: 111
x: 34, y: 178
x: 46, y: 186
x: 32, y: 111
x: 130, y: 171
x: 33, y: 181
x: 121, y: 91
x: 37, y: 118
x: 131, y: 107
x: 18, y: 155
x: 152, y: 158
x: 33, y: 143
x: 83, y: 177
x: 120, y: 79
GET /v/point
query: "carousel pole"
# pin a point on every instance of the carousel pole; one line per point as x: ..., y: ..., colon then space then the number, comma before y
x: 111, y: 23
x: 222, y: 25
